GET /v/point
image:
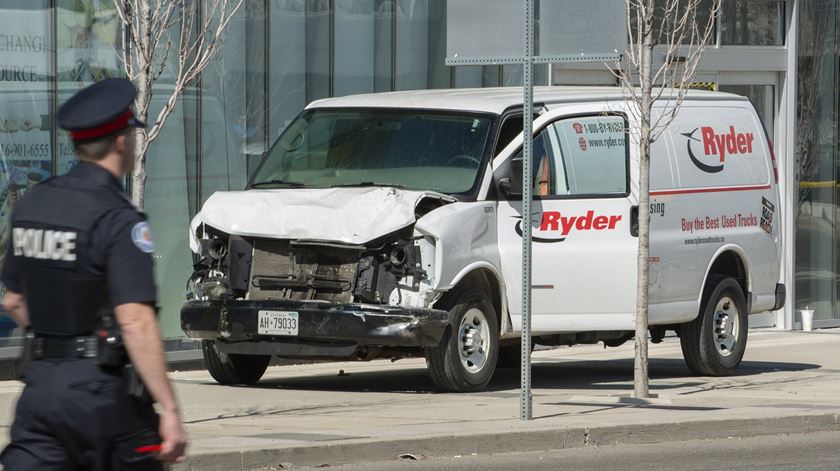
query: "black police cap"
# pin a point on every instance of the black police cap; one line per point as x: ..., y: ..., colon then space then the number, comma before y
x: 99, y: 110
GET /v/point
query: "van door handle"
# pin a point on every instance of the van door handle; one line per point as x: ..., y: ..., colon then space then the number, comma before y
x: 634, y: 221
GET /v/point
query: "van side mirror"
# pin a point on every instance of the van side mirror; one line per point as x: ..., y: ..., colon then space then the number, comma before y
x: 512, y: 184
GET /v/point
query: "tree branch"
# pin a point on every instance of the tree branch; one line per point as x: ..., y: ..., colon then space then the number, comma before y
x: 148, y: 27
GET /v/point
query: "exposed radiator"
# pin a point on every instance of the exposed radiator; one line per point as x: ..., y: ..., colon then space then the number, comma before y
x: 285, y: 270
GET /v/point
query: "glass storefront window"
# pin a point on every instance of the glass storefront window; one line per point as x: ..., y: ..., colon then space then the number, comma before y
x: 355, y: 36
x: 703, y: 13
x: 299, y: 62
x: 817, y: 147
x: 26, y: 47
x: 420, y: 37
x: 762, y: 98
x: 171, y: 192
x: 230, y: 135
x: 318, y: 49
x: 512, y: 75
x: 752, y: 23
x: 167, y: 204
x: 87, y: 39
x: 470, y: 76
x: 383, y: 36
x: 287, y: 67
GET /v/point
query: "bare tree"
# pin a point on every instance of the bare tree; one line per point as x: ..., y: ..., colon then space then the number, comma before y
x: 679, y: 30
x: 187, y: 31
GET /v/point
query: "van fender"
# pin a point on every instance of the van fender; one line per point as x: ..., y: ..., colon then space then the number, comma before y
x: 741, y: 253
x: 505, y: 325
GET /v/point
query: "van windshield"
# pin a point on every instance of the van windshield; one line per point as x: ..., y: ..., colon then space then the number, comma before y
x: 414, y: 149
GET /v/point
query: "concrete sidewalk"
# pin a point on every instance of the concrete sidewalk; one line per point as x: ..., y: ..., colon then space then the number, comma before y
x: 334, y: 413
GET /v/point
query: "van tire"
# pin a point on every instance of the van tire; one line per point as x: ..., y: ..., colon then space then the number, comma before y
x: 452, y: 363
x: 229, y: 369
x: 713, y: 344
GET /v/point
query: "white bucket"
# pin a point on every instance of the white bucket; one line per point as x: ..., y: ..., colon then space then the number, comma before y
x: 807, y: 319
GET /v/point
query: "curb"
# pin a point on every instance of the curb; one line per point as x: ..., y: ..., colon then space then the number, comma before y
x: 506, y: 441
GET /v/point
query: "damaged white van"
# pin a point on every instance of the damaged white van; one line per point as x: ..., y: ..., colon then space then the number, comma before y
x: 389, y: 225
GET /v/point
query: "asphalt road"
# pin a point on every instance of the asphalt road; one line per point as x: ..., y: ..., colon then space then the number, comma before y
x: 809, y: 452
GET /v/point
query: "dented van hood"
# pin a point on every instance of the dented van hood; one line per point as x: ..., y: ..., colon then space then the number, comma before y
x: 348, y: 215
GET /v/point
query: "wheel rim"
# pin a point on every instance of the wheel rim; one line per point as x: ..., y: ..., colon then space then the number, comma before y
x: 473, y: 340
x: 727, y: 326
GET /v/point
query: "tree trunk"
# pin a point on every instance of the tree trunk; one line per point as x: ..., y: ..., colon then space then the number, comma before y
x: 640, y: 370
x: 138, y: 175
x: 142, y: 101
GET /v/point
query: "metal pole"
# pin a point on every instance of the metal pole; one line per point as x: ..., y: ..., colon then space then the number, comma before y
x: 525, y: 406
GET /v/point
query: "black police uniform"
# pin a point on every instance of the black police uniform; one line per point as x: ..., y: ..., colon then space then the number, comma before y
x: 79, y: 248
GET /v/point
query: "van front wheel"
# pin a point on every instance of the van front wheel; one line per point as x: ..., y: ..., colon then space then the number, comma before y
x: 466, y: 357
x: 714, y: 343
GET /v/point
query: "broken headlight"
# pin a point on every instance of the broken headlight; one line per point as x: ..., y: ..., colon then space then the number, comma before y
x: 208, y: 285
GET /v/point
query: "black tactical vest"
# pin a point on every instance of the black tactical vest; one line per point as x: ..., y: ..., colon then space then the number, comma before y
x: 62, y: 274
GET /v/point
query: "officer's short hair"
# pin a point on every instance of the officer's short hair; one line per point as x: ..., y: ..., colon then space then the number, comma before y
x: 96, y: 149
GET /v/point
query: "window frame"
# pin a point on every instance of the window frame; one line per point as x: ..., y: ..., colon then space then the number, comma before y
x: 626, y: 193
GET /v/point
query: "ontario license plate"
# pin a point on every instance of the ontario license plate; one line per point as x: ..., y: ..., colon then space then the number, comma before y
x: 277, y: 323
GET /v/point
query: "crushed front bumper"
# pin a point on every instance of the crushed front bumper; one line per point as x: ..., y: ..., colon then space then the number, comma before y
x: 352, y: 325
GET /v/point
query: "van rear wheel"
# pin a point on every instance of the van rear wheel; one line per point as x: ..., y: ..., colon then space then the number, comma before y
x: 714, y: 343
x: 230, y: 369
x: 466, y: 357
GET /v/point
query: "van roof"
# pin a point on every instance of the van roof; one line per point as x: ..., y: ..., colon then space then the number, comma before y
x: 491, y: 100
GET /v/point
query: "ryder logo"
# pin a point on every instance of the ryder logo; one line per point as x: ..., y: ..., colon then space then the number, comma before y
x: 554, y: 227
x: 718, y: 147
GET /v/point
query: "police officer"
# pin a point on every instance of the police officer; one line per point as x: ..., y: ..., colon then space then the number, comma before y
x: 80, y: 257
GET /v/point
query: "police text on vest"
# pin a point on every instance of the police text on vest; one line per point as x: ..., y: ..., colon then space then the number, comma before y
x: 45, y: 244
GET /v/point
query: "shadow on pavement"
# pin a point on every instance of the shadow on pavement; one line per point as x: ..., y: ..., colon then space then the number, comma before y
x: 546, y: 374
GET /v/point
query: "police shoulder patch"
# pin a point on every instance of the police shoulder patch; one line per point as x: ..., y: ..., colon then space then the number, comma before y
x: 141, y: 235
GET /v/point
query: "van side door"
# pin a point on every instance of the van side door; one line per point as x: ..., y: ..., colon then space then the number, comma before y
x: 584, y: 251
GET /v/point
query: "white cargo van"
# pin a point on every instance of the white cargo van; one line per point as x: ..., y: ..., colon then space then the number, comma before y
x: 389, y: 225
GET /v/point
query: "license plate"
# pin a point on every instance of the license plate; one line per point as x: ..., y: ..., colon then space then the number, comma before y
x: 277, y: 323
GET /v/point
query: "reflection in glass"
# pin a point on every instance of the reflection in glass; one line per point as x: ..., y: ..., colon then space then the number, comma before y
x: 383, y: 50
x: 318, y: 49
x: 25, y: 123
x: 354, y: 47
x: 762, y: 98
x: 170, y: 195
x: 228, y: 92
x: 752, y: 23
x: 287, y: 67
x: 421, y: 29
x: 512, y: 75
x: 660, y: 36
x: 87, y: 39
x: 817, y: 265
